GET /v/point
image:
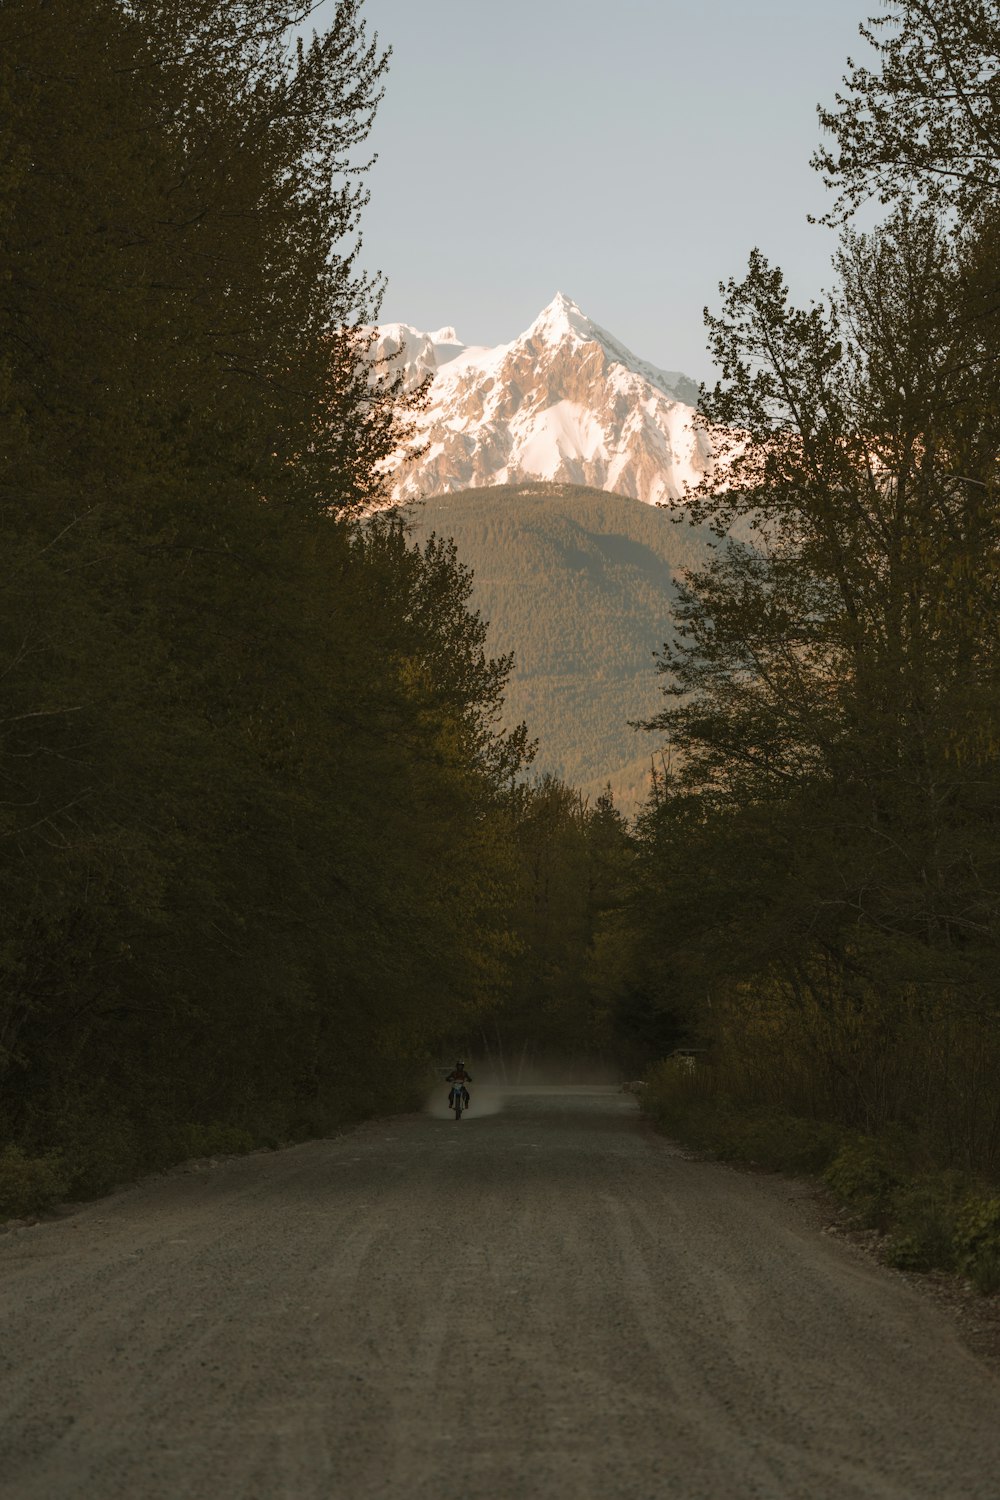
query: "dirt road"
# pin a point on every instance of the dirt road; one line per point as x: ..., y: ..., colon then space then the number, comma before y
x: 546, y: 1302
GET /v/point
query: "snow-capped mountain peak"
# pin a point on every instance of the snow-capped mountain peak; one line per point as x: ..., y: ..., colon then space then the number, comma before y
x: 562, y: 319
x: 565, y: 401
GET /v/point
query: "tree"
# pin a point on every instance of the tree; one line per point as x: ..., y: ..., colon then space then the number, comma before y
x: 847, y: 642
x: 252, y: 831
x: 831, y: 672
x: 834, y: 797
x: 927, y: 120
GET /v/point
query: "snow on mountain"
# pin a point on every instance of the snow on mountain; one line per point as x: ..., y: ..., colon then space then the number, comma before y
x: 424, y: 353
x: 566, y: 402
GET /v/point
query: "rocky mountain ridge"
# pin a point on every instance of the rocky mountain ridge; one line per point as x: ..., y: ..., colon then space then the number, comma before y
x: 565, y: 402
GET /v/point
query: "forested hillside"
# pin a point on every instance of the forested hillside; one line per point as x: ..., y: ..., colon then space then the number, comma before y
x: 579, y: 584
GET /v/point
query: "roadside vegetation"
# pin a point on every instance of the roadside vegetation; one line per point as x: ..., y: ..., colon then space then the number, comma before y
x: 820, y: 886
x: 929, y: 1217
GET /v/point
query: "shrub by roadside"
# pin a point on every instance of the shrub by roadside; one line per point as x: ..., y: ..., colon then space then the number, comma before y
x: 683, y: 1101
x: 864, y: 1175
x: 977, y: 1242
x: 29, y: 1184
x: 930, y: 1218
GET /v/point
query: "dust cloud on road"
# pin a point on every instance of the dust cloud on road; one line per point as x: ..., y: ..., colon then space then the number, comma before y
x: 549, y: 1301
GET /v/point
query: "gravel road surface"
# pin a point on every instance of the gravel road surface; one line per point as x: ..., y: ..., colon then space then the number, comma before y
x: 548, y: 1301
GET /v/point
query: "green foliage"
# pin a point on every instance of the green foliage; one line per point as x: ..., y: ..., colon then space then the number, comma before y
x: 918, y: 1210
x: 29, y: 1184
x: 684, y: 1100
x: 101, y: 1142
x: 930, y: 1220
x: 675, y: 1088
x: 927, y: 117
x: 213, y: 1139
x: 789, y: 1143
x: 977, y: 1242
x: 924, y: 1215
x: 864, y: 1178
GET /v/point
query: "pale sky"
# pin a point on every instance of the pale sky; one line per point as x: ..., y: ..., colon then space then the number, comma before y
x: 628, y: 153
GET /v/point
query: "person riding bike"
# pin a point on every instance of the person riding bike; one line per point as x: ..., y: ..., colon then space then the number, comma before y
x: 458, y: 1078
